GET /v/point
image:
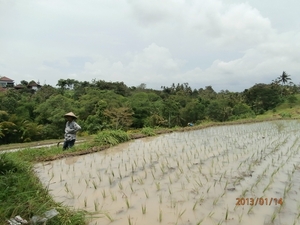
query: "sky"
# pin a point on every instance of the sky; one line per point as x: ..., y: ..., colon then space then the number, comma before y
x: 227, y: 44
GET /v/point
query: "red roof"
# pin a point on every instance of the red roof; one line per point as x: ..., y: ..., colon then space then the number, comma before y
x: 5, y: 79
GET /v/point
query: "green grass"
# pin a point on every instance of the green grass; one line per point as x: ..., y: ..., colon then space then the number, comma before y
x: 111, y: 137
x: 148, y: 131
x: 22, y: 194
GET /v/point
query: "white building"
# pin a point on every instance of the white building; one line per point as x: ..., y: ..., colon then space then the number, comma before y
x: 6, y: 82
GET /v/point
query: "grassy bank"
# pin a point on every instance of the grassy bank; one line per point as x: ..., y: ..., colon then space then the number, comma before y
x: 22, y: 194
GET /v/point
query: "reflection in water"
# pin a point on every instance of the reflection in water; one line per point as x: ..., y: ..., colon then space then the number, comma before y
x: 186, y: 178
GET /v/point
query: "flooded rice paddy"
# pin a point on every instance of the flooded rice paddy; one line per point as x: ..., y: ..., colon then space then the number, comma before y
x: 241, y: 174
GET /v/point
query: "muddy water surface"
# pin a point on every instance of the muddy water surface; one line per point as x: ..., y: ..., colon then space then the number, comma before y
x: 187, y: 178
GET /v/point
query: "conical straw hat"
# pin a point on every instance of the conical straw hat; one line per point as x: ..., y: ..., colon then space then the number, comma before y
x: 71, y: 114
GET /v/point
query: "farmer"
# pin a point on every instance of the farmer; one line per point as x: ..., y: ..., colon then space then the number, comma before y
x: 70, y: 131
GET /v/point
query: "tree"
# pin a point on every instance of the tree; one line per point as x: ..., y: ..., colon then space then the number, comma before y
x: 218, y: 110
x: 9, y: 105
x: 31, y: 131
x: 262, y: 97
x: 95, y: 121
x: 119, y: 117
x: 171, y: 111
x: 44, y: 93
x: 207, y: 93
x: 242, y: 110
x: 284, y: 78
x: 51, y: 113
x: 9, y: 132
x: 155, y: 120
x: 142, y: 106
x: 4, y: 116
x: 193, y: 112
x: 142, y: 86
x: 24, y: 82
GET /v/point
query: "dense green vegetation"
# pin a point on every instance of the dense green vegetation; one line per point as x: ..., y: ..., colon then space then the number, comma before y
x: 27, y: 116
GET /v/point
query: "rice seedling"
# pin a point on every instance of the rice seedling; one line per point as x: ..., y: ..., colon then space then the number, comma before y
x: 99, y: 177
x: 108, y: 216
x: 86, y: 182
x: 206, y: 178
x: 273, y: 217
x: 169, y: 189
x: 215, y: 183
x: 226, y: 214
x: 103, y: 193
x: 211, y: 172
x: 211, y: 214
x: 144, y: 209
x: 244, y: 193
x: 157, y: 184
x: 200, y: 221
x: 94, y: 184
x: 140, y: 181
x: 240, y: 217
x: 110, y: 179
x: 146, y: 193
x: 160, y: 216
x: 180, y: 169
x: 113, y: 196
x: 170, y: 180
x: 127, y: 202
x: 129, y: 220
x: 250, y: 209
x: 160, y: 198
x: 131, y: 187
x: 120, y: 186
x: 216, y: 201
x: 226, y: 185
x: 199, y: 183
x: 96, y: 205
x: 180, y: 215
x: 153, y: 176
x: 85, y: 202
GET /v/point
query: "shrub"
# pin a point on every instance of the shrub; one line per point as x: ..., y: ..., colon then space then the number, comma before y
x: 111, y: 137
x: 148, y: 131
x: 285, y: 115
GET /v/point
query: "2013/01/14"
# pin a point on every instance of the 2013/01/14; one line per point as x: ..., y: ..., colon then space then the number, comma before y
x: 258, y: 201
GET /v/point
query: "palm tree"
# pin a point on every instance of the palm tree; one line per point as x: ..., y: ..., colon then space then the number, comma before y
x: 284, y: 78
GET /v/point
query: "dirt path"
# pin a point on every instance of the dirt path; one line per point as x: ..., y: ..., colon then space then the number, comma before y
x: 39, y: 146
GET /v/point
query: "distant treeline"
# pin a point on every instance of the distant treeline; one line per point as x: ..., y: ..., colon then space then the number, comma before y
x: 30, y: 116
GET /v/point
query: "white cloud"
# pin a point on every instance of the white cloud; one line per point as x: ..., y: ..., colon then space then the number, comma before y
x: 229, y: 44
x: 153, y: 65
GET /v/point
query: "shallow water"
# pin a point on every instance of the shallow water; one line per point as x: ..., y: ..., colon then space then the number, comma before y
x: 186, y: 178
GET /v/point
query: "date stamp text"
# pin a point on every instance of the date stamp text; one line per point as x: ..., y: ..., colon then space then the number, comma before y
x: 259, y: 201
